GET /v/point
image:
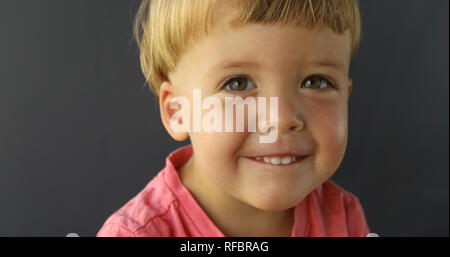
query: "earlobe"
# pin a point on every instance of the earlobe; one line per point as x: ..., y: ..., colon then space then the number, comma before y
x: 166, y: 97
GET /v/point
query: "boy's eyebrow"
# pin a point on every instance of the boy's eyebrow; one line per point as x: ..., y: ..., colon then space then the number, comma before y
x: 339, y: 66
x: 233, y: 64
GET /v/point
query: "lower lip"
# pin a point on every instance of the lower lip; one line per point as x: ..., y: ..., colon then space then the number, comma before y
x: 298, y: 160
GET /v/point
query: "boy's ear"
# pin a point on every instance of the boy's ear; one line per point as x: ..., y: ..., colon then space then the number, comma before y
x: 350, y: 85
x: 166, y: 95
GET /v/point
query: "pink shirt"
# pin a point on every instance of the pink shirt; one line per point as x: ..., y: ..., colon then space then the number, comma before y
x: 165, y: 207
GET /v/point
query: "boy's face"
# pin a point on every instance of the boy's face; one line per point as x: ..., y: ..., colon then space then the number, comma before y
x: 307, y: 70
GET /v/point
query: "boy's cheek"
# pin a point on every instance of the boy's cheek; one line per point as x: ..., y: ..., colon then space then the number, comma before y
x: 222, y: 146
x: 331, y: 140
x: 216, y: 153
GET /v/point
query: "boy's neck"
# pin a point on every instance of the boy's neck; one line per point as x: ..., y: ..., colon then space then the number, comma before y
x: 232, y: 216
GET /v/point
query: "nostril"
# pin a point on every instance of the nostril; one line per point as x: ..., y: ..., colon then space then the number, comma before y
x: 264, y: 128
x: 297, y: 126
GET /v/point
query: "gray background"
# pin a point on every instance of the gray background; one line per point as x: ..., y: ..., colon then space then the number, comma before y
x: 80, y: 135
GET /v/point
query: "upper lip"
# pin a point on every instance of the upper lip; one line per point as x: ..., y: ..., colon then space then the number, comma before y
x: 278, y: 154
x: 283, y: 147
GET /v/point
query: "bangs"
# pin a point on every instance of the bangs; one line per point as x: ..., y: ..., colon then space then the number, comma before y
x: 164, y: 29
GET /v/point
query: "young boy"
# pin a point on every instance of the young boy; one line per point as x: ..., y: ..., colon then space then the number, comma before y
x: 229, y: 183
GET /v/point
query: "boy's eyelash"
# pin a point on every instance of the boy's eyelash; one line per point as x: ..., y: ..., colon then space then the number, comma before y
x: 329, y: 80
x: 228, y: 80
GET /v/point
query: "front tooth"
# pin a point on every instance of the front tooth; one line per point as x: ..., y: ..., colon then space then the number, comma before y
x: 258, y: 158
x: 275, y: 160
x: 286, y: 160
x: 266, y: 159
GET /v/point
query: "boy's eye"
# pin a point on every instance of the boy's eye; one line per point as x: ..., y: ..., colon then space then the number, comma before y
x: 238, y: 84
x: 316, y: 82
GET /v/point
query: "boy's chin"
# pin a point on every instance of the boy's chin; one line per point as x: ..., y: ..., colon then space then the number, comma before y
x: 279, y: 204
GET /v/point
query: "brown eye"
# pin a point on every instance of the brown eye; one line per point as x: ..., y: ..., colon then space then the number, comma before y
x: 238, y: 84
x: 315, y: 82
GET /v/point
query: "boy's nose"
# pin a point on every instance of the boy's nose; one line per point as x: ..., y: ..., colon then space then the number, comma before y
x: 290, y: 118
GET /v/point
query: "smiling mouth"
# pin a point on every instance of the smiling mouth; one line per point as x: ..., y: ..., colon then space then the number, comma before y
x: 278, y: 161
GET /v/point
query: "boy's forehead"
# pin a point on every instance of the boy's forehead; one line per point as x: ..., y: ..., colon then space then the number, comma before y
x: 264, y: 47
x: 258, y: 44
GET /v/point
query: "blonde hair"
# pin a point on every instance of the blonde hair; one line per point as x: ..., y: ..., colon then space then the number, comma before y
x: 163, y: 29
